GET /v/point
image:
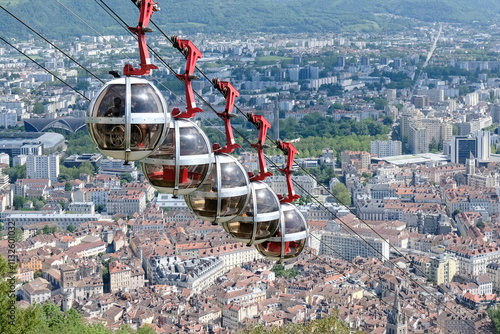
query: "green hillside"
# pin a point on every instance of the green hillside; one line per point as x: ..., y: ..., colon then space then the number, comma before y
x: 276, y: 16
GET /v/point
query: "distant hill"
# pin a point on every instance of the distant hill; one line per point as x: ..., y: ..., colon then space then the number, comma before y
x: 243, y: 16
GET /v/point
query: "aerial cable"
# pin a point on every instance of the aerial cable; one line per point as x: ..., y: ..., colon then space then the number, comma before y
x: 354, y: 233
x: 349, y: 228
x: 271, y: 140
x: 24, y: 54
x: 305, y: 170
x: 52, y: 44
x: 346, y: 260
x: 219, y: 130
x: 98, y: 33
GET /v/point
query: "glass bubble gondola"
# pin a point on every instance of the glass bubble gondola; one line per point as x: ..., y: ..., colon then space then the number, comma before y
x: 290, y: 238
x: 224, y: 195
x: 128, y: 119
x: 183, y: 161
x: 260, y: 219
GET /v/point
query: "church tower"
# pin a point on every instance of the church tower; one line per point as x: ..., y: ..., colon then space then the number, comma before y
x: 396, y: 320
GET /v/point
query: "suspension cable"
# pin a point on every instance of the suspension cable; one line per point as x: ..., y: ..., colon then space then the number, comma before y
x: 206, y: 103
x: 210, y: 106
x: 52, y: 44
x: 24, y: 54
x: 305, y: 170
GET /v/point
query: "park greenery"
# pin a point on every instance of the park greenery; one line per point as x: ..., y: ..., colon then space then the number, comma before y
x: 318, y: 132
x: 317, y: 125
x: 342, y: 194
x: 15, y: 172
x: 47, y: 318
x: 66, y: 174
x: 79, y: 143
x: 494, y: 315
x: 280, y: 271
x: 19, y: 201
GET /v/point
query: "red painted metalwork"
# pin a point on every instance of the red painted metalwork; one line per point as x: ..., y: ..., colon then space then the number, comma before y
x: 289, y: 150
x: 192, y: 55
x: 148, y: 7
x: 230, y: 93
x: 263, y: 125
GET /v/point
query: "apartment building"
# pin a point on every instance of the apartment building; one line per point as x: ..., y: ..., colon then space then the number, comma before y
x: 474, y: 261
x: 42, y: 166
x: 119, y: 276
x: 126, y: 202
x: 361, y: 160
x: 385, y: 148
x: 440, y: 269
x: 350, y: 246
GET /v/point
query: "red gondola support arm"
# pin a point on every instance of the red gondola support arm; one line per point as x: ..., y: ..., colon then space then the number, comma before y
x: 147, y: 7
x: 192, y: 55
x: 290, y: 151
x: 263, y: 125
x: 230, y: 94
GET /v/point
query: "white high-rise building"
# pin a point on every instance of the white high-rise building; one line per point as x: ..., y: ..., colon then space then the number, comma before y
x: 483, y: 148
x: 42, y: 167
x: 387, y: 148
x: 4, y: 158
x: 471, y: 99
x: 8, y: 118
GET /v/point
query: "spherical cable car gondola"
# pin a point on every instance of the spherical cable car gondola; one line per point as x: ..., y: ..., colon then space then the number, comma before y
x: 262, y: 215
x: 260, y: 219
x: 128, y: 119
x: 226, y: 191
x: 183, y: 161
x: 291, y: 237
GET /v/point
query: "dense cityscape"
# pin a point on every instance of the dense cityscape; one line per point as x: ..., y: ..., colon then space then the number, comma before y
x: 398, y: 172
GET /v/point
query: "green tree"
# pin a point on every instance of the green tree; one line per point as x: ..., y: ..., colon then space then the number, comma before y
x: 145, y: 330
x: 341, y: 193
x: 68, y: 186
x: 380, y: 103
x: 126, y: 177
x: 38, y: 108
x: 456, y: 212
x: 280, y: 271
x: 17, y: 91
x: 495, y: 318
x: 49, y: 230
x: 71, y: 228
x: 330, y: 324
x: 480, y: 224
x: 82, y: 85
x: 433, y: 147
x: 37, y: 273
x: 18, y: 202
x: 15, y: 172
x: 388, y: 120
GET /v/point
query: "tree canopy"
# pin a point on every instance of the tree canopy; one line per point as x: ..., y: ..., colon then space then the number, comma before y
x: 341, y: 192
x: 47, y: 318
